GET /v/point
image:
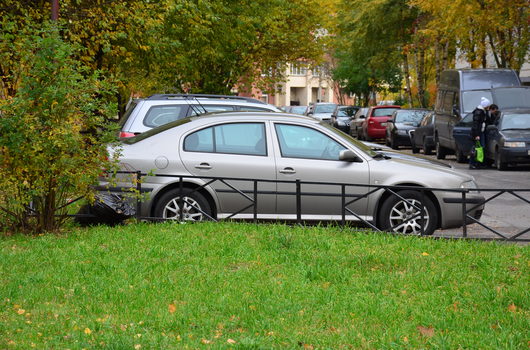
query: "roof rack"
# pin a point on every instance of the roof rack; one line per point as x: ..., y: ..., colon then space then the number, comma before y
x: 193, y: 96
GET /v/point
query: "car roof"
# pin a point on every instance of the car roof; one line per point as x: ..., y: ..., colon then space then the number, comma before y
x: 202, y: 96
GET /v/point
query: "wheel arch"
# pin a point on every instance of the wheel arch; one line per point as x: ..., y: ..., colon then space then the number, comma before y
x: 386, y: 194
x: 187, y: 185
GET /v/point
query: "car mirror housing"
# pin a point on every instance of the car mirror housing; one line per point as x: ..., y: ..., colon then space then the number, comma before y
x: 349, y: 156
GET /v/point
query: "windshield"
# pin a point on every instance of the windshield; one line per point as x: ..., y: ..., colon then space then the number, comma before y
x: 515, y: 121
x: 298, y: 109
x: 347, y: 111
x: 325, y: 108
x: 471, y: 99
x: 512, y: 98
x: 383, y: 112
x: 412, y: 117
x: 154, y: 131
x: 343, y: 136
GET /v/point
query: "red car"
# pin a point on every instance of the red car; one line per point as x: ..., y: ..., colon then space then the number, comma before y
x: 374, y: 126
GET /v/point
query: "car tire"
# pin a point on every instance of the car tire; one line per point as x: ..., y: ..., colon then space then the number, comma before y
x: 440, y: 151
x: 460, y: 157
x: 426, y: 149
x: 413, y: 146
x: 500, y: 165
x: 393, y: 143
x: 196, y: 207
x: 394, y: 212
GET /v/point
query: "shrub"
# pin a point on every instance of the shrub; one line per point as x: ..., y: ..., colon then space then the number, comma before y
x: 54, y: 134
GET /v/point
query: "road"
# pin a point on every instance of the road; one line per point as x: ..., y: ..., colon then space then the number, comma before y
x: 506, y: 213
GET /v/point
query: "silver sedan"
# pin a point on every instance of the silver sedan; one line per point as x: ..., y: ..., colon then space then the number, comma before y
x: 281, y: 148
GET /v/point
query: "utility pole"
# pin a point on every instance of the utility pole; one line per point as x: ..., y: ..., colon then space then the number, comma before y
x: 55, y: 10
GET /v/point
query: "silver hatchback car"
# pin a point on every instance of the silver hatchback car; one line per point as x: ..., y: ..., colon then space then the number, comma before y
x: 281, y: 148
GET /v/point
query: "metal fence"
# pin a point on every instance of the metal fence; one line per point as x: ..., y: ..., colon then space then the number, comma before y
x: 252, y: 196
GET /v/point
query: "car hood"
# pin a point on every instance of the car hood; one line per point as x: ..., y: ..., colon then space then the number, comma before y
x: 516, y: 135
x: 399, y: 170
x: 416, y: 158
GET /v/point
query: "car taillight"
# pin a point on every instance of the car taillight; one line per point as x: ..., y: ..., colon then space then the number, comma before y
x: 124, y: 134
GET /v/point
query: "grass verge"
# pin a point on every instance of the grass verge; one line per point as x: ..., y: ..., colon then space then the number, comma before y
x: 245, y: 286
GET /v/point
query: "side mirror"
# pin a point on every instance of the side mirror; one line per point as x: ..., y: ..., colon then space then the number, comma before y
x: 349, y: 156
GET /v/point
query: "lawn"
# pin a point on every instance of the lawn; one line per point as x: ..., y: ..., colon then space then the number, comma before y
x: 246, y: 286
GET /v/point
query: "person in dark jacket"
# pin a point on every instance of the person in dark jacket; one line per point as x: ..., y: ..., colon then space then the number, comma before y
x: 480, y: 120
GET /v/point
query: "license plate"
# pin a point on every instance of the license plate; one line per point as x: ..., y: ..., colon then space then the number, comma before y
x: 529, y: 152
x: 383, y: 124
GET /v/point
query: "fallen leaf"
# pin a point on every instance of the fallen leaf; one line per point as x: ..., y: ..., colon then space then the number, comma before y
x: 426, y: 331
x: 405, y: 339
x: 172, y: 308
x: 425, y: 254
x: 87, y: 331
x: 21, y: 311
x: 137, y: 347
x: 230, y: 341
x: 455, y: 306
x: 252, y: 307
x: 206, y: 341
x: 512, y: 307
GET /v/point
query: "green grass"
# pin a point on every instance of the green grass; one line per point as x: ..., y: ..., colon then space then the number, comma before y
x: 247, y: 286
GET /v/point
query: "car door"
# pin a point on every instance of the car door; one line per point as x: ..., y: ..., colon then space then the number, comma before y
x: 311, y: 154
x: 462, y: 134
x: 233, y: 150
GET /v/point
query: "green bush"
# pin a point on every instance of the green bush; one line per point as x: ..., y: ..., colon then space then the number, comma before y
x: 53, y: 134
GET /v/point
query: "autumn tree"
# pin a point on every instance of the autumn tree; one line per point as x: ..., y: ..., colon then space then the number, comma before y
x: 54, y: 135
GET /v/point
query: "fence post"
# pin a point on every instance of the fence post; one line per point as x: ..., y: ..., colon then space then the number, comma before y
x: 181, y: 200
x: 138, y: 195
x: 255, y: 201
x: 298, y: 202
x: 464, y: 214
x: 343, y: 206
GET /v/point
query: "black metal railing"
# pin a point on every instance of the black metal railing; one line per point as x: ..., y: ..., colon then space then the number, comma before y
x: 467, y: 206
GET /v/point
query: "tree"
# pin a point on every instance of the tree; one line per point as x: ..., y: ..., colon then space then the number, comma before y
x: 54, y: 136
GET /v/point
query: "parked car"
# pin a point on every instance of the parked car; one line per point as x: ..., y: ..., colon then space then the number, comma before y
x: 423, y: 136
x: 374, y: 127
x: 459, y: 93
x: 399, y: 126
x: 357, y: 121
x: 147, y: 113
x: 507, y: 141
x: 341, y: 117
x: 512, y: 100
x: 321, y: 111
x: 280, y: 149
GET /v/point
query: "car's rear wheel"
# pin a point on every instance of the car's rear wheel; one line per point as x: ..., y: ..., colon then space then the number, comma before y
x: 415, y: 149
x: 427, y: 150
x: 194, y: 206
x: 460, y: 156
x: 403, y: 215
x: 499, y: 164
x: 440, y: 151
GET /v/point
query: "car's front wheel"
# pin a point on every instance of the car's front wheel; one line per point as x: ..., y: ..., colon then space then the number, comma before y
x: 194, y: 206
x: 499, y: 164
x: 402, y: 214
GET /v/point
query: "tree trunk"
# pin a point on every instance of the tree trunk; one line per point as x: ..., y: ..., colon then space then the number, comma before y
x: 406, y: 70
x: 420, y: 71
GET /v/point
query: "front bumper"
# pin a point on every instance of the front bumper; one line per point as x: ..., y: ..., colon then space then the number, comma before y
x: 515, y: 155
x: 452, y: 206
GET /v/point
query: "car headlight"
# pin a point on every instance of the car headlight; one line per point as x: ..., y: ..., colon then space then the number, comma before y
x: 514, y: 144
x: 471, y: 184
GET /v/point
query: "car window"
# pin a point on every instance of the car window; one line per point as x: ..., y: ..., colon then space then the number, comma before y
x: 471, y: 99
x: 253, y: 109
x: 304, y: 142
x: 326, y: 108
x: 298, y: 109
x: 201, y: 109
x: 381, y: 112
x: 467, y: 120
x: 232, y: 138
x: 160, y: 115
x: 413, y: 117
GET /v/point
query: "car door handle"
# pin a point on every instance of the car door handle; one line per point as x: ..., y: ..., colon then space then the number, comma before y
x: 203, y: 166
x: 288, y: 171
